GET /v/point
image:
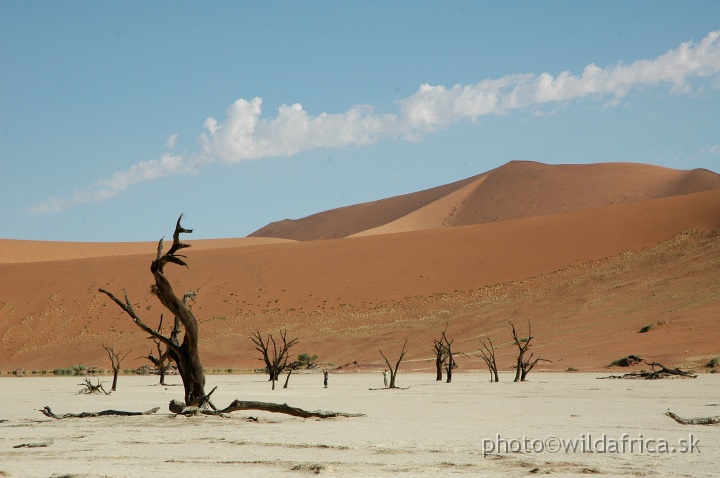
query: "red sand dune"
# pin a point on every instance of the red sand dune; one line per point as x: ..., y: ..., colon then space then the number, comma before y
x: 516, y: 190
x: 588, y: 254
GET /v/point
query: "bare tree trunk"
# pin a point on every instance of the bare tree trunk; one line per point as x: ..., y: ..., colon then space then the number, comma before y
x: 276, y: 360
x: 522, y: 345
x: 523, y: 366
x: 488, y: 356
x: 115, y: 360
x: 287, y: 379
x: 440, y: 358
x: 393, y: 371
x: 451, y: 364
x: 164, y: 354
x: 186, y: 355
x: 440, y: 355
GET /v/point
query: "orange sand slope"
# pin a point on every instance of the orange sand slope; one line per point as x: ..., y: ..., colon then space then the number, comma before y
x: 39, y: 251
x: 589, y: 261
x: 516, y: 190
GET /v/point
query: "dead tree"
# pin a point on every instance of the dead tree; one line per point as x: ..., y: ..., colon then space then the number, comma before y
x: 161, y: 361
x: 263, y: 346
x: 450, y: 363
x: 301, y: 361
x: 89, y: 388
x: 488, y: 356
x: 186, y: 354
x: 393, y: 371
x: 275, y: 358
x: 115, y: 360
x: 523, y: 367
x: 438, y: 347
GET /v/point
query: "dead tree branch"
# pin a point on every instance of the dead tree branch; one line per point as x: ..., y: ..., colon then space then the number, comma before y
x: 438, y: 347
x: 276, y: 357
x: 393, y: 371
x: 238, y: 405
x: 115, y: 361
x: 657, y: 371
x: 49, y: 413
x: 89, y: 388
x: 186, y: 354
x: 522, y: 366
x: 488, y: 356
x: 450, y: 362
x: 694, y: 421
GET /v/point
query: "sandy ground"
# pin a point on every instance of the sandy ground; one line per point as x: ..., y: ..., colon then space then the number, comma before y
x: 430, y: 429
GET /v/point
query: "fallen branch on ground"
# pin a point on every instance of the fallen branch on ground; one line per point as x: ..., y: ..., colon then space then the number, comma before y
x: 89, y: 388
x: 661, y: 372
x: 237, y: 405
x: 694, y: 421
x: 388, y: 388
x: 41, y: 444
x: 49, y: 413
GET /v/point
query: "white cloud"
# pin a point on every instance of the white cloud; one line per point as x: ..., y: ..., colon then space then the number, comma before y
x: 171, y: 141
x: 714, y: 149
x: 167, y: 165
x: 244, y: 134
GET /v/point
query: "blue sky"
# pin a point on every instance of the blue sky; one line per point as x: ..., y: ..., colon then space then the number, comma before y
x: 115, y: 117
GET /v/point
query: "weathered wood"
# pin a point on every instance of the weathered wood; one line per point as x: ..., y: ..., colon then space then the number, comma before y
x: 89, y: 388
x: 276, y: 360
x: 440, y: 351
x: 49, y: 413
x: 694, y: 421
x: 488, y: 356
x: 657, y: 371
x: 238, y: 405
x: 40, y: 444
x: 450, y: 363
x: 186, y: 355
x: 115, y: 361
x: 393, y: 371
x: 522, y: 366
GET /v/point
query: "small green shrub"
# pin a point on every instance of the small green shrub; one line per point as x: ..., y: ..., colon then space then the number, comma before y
x: 306, y: 360
x: 73, y: 370
x: 647, y: 328
x: 712, y: 363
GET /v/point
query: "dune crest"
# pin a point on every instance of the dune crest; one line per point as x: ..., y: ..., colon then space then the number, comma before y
x: 588, y: 270
x: 18, y: 251
x: 515, y: 190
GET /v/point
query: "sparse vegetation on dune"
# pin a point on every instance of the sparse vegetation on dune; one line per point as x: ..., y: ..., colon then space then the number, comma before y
x: 589, y: 281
